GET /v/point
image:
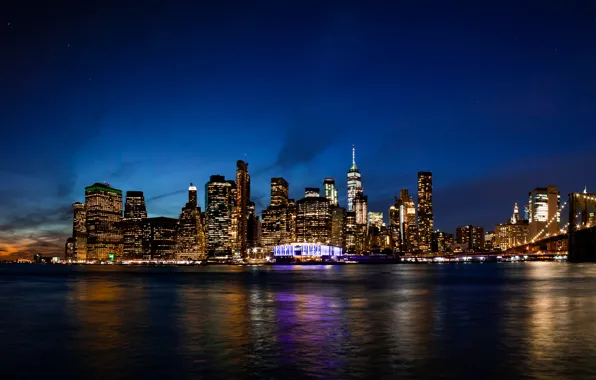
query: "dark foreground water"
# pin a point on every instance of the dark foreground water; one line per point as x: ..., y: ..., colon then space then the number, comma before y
x: 458, y: 321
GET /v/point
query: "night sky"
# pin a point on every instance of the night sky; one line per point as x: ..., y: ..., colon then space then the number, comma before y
x: 494, y: 97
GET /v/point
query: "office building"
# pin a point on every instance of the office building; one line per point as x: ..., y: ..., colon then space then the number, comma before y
x: 103, y: 219
x: 351, y: 232
x: 511, y: 234
x: 360, y: 204
x: 159, y: 238
x: 219, y: 206
x: 313, y: 219
x: 79, y: 232
x: 544, y: 218
x: 330, y: 191
x: 134, y: 212
x: 253, y: 236
x: 425, y: 211
x: 354, y: 182
x: 338, y: 227
x: 375, y: 219
x: 470, y: 237
x: 277, y: 223
x: 489, y: 240
x: 190, y: 235
x: 241, y: 214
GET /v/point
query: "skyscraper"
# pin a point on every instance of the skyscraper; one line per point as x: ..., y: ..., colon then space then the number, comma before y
x: 351, y: 232
x: 134, y: 212
x: 471, y: 237
x: 544, y: 215
x: 253, y: 233
x: 79, y: 232
x: 375, y: 219
x: 425, y: 210
x: 219, y: 209
x: 103, y: 218
x: 241, y: 215
x: 330, y: 191
x: 338, y: 226
x: 279, y: 192
x: 360, y: 204
x: 159, y: 238
x: 313, y: 221
x: 354, y: 182
x: 190, y: 236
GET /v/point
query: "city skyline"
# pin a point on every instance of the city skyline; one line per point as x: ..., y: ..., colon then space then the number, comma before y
x: 180, y: 92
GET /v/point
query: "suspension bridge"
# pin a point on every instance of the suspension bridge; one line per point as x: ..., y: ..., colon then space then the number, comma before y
x: 577, y: 237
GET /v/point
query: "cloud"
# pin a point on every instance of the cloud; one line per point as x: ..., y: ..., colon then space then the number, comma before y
x: 125, y: 170
x: 161, y: 196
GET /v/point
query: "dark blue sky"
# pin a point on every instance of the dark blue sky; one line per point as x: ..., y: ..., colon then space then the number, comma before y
x: 494, y: 97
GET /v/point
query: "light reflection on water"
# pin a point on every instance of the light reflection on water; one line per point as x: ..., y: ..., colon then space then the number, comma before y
x: 524, y: 320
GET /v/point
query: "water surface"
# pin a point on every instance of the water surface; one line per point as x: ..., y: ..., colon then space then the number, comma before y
x: 454, y: 321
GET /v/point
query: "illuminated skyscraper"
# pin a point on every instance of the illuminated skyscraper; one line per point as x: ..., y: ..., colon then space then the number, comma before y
x: 544, y: 215
x: 351, y: 232
x: 471, y: 237
x: 354, y: 182
x: 279, y: 192
x: 79, y: 232
x: 190, y: 235
x: 134, y: 212
x: 330, y: 191
x: 375, y: 219
x: 219, y: 206
x: 159, y: 238
x: 241, y: 214
x: 103, y: 218
x: 360, y: 204
x: 313, y: 221
x: 338, y: 226
x: 425, y: 210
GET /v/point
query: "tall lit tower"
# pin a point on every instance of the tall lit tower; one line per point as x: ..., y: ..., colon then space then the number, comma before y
x: 544, y: 211
x: 218, y: 208
x: 241, y: 214
x: 79, y: 231
x: 103, y: 218
x: 330, y: 191
x: 134, y: 212
x: 425, y: 210
x: 190, y: 235
x: 354, y: 181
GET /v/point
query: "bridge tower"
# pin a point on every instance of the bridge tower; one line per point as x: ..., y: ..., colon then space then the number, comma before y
x: 582, y: 230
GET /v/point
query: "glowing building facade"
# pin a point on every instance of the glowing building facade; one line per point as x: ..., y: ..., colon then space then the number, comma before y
x: 338, y: 227
x: 103, y: 222
x: 425, y: 210
x: 354, y: 183
x: 79, y: 232
x: 159, y: 238
x: 313, y: 219
x: 376, y: 219
x: 277, y: 224
x: 351, y: 232
x: 361, y: 209
x: 219, y: 204
x: 240, y: 221
x: 511, y: 234
x: 134, y: 212
x: 543, y: 210
x: 330, y: 191
x: 470, y: 237
x: 190, y: 236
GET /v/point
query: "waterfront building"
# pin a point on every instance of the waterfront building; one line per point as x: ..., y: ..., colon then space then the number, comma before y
x: 360, y: 204
x: 425, y: 210
x: 241, y: 212
x: 438, y: 242
x: 277, y: 222
x: 470, y: 237
x: 330, y: 191
x: 511, y: 234
x: 338, y: 226
x: 307, y: 252
x: 218, y: 214
x: 313, y: 219
x: 351, y: 232
x: 354, y: 183
x: 190, y: 235
x: 489, y: 240
x: 253, y: 236
x: 135, y: 211
x: 544, y: 215
x: 103, y: 222
x: 376, y: 219
x: 79, y: 232
x: 403, y: 227
x: 159, y: 238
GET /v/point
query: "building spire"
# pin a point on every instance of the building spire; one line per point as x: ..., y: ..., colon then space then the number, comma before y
x: 585, y: 189
x: 353, y: 155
